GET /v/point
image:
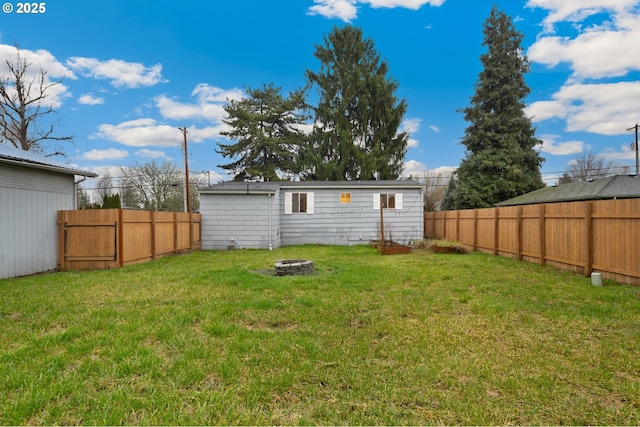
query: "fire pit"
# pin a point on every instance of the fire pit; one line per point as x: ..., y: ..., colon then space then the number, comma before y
x: 294, y: 267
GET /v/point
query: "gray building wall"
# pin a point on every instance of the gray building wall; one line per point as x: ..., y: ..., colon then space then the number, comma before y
x: 352, y: 223
x: 29, y: 204
x: 240, y: 221
x: 257, y: 220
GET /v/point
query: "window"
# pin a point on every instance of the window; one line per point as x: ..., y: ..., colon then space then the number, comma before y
x: 298, y: 203
x: 345, y: 198
x: 388, y: 201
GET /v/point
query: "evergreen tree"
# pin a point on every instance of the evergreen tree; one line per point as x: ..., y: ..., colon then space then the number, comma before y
x: 357, y: 116
x: 500, y: 161
x: 111, y: 201
x: 267, y: 128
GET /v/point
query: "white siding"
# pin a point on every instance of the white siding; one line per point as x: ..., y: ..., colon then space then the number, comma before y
x: 357, y: 222
x: 29, y: 203
x: 239, y: 221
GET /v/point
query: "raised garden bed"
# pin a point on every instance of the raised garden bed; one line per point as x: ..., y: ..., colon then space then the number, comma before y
x: 390, y: 247
x: 447, y: 247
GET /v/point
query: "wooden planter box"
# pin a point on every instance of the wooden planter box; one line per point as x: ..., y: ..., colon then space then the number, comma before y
x: 442, y: 249
x: 390, y: 247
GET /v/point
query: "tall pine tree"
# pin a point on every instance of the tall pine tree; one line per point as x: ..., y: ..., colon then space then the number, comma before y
x: 267, y: 130
x: 500, y: 161
x: 358, y: 115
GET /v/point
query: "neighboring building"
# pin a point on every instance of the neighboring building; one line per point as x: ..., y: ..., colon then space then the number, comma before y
x: 265, y: 215
x: 613, y: 187
x: 32, y: 190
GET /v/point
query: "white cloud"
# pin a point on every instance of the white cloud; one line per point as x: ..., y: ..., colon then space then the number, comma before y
x: 209, y: 104
x: 444, y: 170
x: 413, y: 167
x: 578, y: 10
x: 625, y: 153
x: 598, y: 52
x: 549, y: 145
x: 607, y: 109
x: 141, y: 133
x: 417, y: 169
x: 409, y: 4
x: 411, y: 126
x: 149, y: 133
x: 341, y: 9
x: 153, y: 154
x: 89, y: 99
x: 113, y: 171
x: 109, y: 154
x: 347, y: 10
x: 434, y: 128
x: 206, y: 93
x: 121, y: 73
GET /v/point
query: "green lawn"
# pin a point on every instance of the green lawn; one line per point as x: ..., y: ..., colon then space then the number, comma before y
x: 208, y: 338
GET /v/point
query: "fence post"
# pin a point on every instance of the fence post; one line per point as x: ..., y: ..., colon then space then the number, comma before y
x: 444, y: 224
x: 588, y: 267
x: 175, y: 232
x: 190, y: 231
x: 475, y: 230
x: 543, y: 234
x: 153, y: 235
x: 61, y: 236
x: 519, y: 232
x: 120, y: 234
x: 496, y: 227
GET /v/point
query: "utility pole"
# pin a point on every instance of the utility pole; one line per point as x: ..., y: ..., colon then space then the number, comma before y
x: 186, y: 171
x: 636, y: 147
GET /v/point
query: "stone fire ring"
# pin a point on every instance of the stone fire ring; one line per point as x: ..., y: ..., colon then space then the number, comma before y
x: 294, y: 267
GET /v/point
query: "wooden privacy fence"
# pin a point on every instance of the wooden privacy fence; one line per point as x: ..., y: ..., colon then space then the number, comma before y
x: 100, y: 239
x: 587, y: 236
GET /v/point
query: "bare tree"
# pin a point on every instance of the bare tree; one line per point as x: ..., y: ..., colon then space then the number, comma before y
x: 152, y: 186
x: 24, y: 107
x: 589, y: 166
x: 435, y: 186
x: 104, y: 188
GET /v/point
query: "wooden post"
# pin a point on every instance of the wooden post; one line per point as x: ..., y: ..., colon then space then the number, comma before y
x: 190, y: 231
x: 475, y: 229
x: 175, y: 232
x: 519, y: 232
x: 588, y: 267
x: 444, y: 224
x: 496, y: 227
x: 120, y: 234
x: 543, y: 234
x: 61, y: 236
x: 153, y: 235
x: 457, y: 239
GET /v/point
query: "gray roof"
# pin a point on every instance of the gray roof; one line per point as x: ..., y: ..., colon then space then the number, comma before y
x: 613, y: 187
x: 240, y: 187
x: 15, y: 156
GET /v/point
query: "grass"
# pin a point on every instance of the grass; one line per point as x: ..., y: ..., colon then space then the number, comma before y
x: 416, y: 339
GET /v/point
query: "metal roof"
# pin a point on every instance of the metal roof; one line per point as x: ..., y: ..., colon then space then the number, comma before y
x: 270, y: 187
x: 613, y: 187
x: 15, y: 156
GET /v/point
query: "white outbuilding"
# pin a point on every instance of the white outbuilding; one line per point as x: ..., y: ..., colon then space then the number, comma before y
x: 32, y: 191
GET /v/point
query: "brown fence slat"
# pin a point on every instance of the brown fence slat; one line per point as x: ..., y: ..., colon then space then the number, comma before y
x: 586, y: 236
x: 110, y: 238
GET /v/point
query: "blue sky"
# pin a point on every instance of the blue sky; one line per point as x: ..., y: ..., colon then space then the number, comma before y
x: 134, y: 71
